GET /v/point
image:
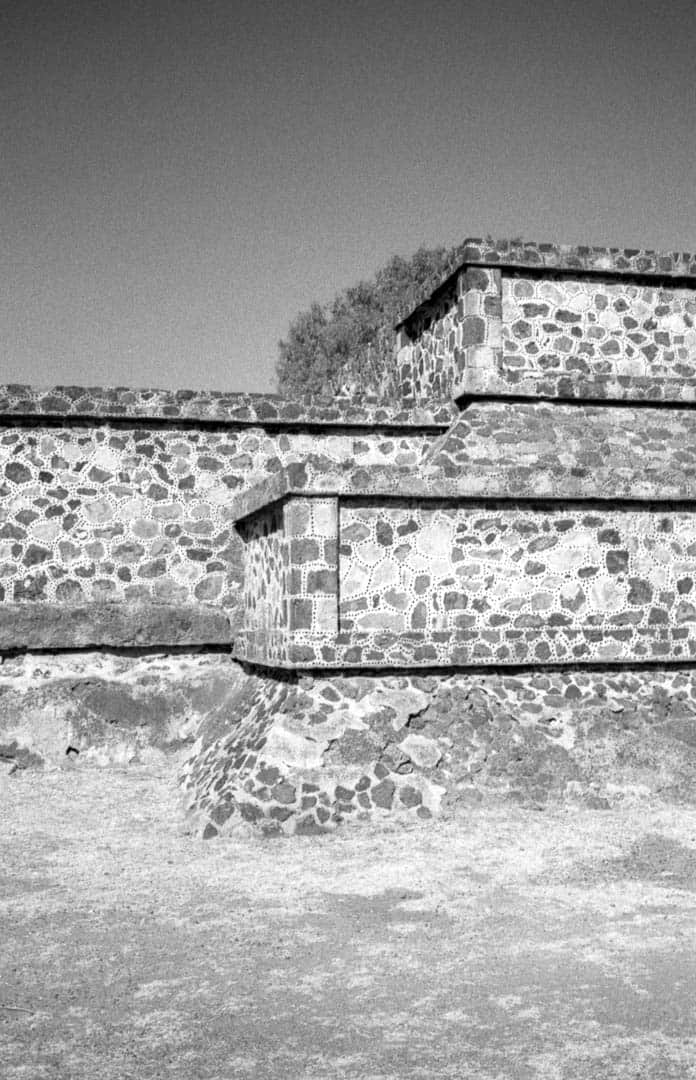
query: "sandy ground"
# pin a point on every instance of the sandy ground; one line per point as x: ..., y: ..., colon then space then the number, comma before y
x: 499, y: 944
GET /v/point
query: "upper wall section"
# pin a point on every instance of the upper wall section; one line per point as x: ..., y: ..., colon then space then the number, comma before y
x: 212, y: 407
x: 557, y: 322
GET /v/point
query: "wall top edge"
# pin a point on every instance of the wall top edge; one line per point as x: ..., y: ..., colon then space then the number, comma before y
x: 600, y: 259
x: 485, y: 483
x: 124, y: 403
x: 581, y: 258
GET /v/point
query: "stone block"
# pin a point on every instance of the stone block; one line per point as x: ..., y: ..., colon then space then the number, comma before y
x: 43, y: 625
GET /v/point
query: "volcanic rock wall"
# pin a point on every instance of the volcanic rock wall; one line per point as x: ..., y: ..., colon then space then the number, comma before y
x: 543, y: 320
x: 116, y: 533
x: 297, y: 753
x: 539, y: 565
x: 427, y: 603
x: 118, y: 514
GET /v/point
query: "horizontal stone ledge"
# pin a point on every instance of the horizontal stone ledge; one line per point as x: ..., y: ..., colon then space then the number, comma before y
x: 55, y: 626
x: 487, y: 486
x: 656, y: 390
x: 554, y: 259
x: 104, y: 404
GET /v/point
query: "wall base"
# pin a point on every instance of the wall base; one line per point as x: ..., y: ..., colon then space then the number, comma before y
x: 298, y: 754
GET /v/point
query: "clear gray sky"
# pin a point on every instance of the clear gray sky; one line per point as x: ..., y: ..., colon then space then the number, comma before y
x: 179, y: 178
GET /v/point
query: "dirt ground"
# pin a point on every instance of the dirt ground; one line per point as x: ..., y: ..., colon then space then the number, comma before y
x: 502, y: 943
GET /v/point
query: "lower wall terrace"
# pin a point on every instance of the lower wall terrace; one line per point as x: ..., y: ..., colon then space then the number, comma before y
x: 301, y: 754
x: 304, y: 753
x: 380, y: 581
x: 499, y: 583
x: 109, y: 708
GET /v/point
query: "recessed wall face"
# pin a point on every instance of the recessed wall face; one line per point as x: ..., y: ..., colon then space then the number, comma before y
x: 96, y: 514
x: 100, y: 513
x: 491, y: 584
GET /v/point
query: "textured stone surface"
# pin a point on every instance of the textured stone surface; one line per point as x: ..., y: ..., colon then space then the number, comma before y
x: 547, y: 321
x: 524, y: 450
x: 219, y: 407
x: 267, y: 605
x: 302, y: 755
x: 433, y: 570
x: 64, y: 626
x: 366, y: 534
x: 597, y: 258
x: 598, y: 327
x: 108, y: 709
x: 290, y: 581
x: 494, y: 583
x: 137, y: 514
x: 567, y: 451
x: 441, y: 583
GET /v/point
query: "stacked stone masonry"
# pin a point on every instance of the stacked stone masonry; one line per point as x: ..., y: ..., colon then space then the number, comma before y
x: 551, y: 544
x: 472, y: 585
x: 441, y: 583
x: 130, y: 514
x: 294, y: 754
x: 497, y: 550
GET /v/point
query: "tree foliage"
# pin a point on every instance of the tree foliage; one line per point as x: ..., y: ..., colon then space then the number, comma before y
x: 347, y: 345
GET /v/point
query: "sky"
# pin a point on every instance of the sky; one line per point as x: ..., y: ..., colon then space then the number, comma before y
x: 180, y: 178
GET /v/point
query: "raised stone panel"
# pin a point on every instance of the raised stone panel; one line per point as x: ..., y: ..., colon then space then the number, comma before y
x: 599, y: 328
x: 446, y: 583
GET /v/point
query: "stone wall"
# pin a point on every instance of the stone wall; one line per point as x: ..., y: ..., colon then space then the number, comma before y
x: 494, y: 583
x: 116, y: 533
x: 544, y: 321
x: 539, y: 563
x: 294, y: 754
x: 535, y: 559
x: 598, y: 326
x: 440, y: 583
x: 134, y: 511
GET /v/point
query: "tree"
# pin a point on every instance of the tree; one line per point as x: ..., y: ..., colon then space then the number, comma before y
x: 348, y: 344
